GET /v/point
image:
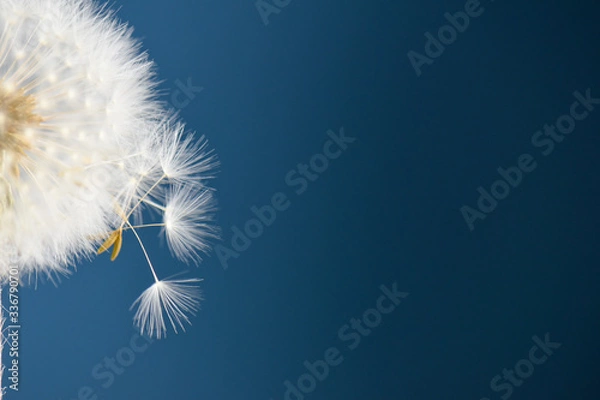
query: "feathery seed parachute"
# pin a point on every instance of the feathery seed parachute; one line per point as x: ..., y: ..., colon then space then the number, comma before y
x: 85, y: 147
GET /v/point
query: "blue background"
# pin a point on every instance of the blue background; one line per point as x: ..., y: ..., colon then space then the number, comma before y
x: 386, y: 211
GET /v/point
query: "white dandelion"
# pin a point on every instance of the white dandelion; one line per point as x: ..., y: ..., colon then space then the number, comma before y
x: 86, y: 146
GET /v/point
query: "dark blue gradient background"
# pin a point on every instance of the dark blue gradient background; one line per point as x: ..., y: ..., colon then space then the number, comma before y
x: 386, y: 211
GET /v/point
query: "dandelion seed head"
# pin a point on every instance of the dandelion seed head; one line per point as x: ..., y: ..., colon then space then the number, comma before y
x: 85, y: 147
x: 55, y: 128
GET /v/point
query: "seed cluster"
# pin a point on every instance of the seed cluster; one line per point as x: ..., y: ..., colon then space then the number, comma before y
x: 16, y: 114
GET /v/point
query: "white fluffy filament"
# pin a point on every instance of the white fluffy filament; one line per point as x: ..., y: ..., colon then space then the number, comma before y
x: 86, y: 147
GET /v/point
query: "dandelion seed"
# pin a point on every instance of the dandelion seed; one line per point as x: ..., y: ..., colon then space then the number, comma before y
x: 175, y: 299
x: 182, y: 158
x: 188, y: 222
x: 85, y: 147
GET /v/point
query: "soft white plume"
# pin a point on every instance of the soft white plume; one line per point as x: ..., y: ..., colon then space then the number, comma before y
x: 173, y: 299
x: 85, y: 147
x: 188, y: 220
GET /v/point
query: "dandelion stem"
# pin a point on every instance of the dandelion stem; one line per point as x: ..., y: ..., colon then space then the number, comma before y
x: 126, y: 219
x: 157, y: 225
x: 153, y: 204
x: 144, y: 250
